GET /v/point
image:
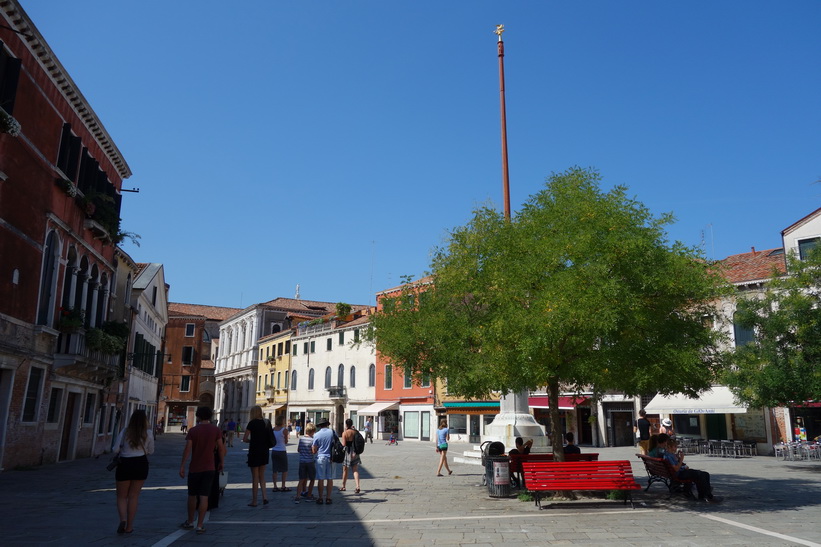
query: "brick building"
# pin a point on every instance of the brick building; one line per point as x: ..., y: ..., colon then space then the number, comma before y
x: 188, y: 371
x: 60, y: 181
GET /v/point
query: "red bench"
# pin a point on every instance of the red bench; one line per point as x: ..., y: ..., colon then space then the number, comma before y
x: 563, y: 476
x: 660, y: 470
x: 516, y: 460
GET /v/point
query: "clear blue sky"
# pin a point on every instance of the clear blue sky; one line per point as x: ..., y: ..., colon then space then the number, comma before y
x: 334, y: 144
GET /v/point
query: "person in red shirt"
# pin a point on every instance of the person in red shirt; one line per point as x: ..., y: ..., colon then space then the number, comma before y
x: 201, y: 444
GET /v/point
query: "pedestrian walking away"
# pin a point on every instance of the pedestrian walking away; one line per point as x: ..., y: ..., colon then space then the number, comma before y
x: 325, y: 468
x: 352, y: 459
x: 231, y: 427
x: 133, y: 444
x: 259, y: 437
x: 307, y: 467
x: 442, y: 438
x: 201, y: 442
x: 642, y: 428
x: 279, y: 457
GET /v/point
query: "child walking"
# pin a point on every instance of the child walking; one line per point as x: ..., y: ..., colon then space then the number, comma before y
x: 307, y: 469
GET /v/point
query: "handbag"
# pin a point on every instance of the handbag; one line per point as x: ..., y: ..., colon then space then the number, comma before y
x: 115, y: 460
x: 112, y: 465
x: 337, y: 450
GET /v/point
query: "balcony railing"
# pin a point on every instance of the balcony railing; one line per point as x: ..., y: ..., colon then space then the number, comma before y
x: 337, y: 392
x: 75, y: 358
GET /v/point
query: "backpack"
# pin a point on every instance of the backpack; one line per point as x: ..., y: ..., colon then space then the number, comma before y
x: 358, y: 442
x: 337, y: 450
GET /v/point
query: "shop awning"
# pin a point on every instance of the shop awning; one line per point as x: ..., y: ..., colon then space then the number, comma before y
x: 272, y: 407
x: 718, y: 400
x: 565, y: 403
x: 376, y: 408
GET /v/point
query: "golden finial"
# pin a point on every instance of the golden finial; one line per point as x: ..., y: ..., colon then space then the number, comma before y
x: 499, y: 30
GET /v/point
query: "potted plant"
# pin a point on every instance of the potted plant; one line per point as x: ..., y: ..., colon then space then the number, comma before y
x: 70, y: 319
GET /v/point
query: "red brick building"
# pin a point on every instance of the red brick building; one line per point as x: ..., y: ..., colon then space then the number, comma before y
x: 191, y: 338
x: 60, y: 181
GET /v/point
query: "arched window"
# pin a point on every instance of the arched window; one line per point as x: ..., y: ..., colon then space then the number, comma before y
x: 293, y: 380
x: 352, y: 383
x: 327, y: 377
x: 48, y: 280
x: 388, y: 376
x: 372, y: 375
x: 285, y: 385
x: 70, y: 279
x: 311, y: 379
x: 340, y: 375
x: 91, y: 297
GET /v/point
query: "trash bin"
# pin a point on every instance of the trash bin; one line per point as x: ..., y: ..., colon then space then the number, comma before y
x: 497, y: 473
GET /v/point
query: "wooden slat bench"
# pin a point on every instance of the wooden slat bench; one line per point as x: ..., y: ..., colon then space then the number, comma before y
x: 562, y: 476
x: 660, y: 470
x: 516, y: 460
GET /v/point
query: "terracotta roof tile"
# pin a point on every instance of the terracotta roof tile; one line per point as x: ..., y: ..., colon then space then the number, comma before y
x: 215, y: 313
x: 754, y: 266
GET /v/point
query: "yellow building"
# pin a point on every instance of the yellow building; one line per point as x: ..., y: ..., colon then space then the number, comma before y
x: 273, y: 374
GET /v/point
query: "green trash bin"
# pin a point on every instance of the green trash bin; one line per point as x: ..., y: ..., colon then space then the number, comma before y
x: 497, y: 474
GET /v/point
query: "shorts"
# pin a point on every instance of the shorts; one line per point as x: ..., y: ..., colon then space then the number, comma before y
x: 199, y: 484
x: 279, y: 461
x: 132, y: 469
x: 443, y: 447
x: 307, y: 471
x: 325, y: 468
x: 351, y: 459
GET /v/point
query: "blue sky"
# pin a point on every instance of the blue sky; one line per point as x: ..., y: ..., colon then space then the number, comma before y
x: 334, y: 144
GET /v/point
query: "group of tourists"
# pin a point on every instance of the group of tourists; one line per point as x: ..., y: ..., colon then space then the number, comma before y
x: 205, y: 451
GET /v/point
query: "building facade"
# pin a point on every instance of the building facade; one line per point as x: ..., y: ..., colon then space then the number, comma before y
x: 238, y: 360
x: 191, y: 337
x: 60, y: 181
x: 332, y: 370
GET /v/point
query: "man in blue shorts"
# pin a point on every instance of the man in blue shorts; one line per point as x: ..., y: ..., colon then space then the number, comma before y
x: 325, y: 468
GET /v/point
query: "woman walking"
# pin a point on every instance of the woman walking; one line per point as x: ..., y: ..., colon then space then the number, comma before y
x: 134, y: 443
x: 258, y: 434
x: 279, y: 458
x: 442, y: 438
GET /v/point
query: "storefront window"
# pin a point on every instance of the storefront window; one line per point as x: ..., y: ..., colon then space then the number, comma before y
x: 411, y: 421
x: 458, y: 423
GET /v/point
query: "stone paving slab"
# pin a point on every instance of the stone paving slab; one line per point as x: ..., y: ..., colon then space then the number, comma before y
x: 767, y: 502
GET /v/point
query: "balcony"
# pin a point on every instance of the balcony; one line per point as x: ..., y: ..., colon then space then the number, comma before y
x: 337, y: 392
x: 73, y: 358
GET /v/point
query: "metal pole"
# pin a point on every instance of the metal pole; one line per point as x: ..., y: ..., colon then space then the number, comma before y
x: 505, y: 176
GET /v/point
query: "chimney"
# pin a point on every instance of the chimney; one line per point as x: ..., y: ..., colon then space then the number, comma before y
x: 753, y: 249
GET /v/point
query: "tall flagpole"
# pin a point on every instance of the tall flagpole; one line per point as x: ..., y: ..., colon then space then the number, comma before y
x: 505, y: 176
x: 514, y: 418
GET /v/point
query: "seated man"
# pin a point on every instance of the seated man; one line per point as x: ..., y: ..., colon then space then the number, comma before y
x: 570, y: 448
x: 676, y: 459
x: 522, y: 447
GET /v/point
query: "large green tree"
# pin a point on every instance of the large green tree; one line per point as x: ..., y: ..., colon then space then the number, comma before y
x: 580, y: 290
x: 782, y: 365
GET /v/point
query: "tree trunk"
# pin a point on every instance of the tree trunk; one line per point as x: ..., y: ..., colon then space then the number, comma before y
x: 555, y: 422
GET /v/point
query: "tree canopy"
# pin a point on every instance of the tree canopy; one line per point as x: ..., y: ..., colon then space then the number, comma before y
x: 580, y: 291
x: 782, y: 365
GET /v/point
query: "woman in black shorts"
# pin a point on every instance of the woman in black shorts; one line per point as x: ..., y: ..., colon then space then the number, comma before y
x: 134, y: 444
x: 258, y: 434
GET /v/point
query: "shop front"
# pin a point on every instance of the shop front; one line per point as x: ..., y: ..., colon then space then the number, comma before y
x: 385, y: 418
x: 467, y: 420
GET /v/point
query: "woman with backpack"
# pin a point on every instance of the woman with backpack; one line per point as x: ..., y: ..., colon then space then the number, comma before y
x: 352, y: 460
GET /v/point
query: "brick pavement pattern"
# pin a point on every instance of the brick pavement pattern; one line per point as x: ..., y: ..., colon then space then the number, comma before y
x: 766, y: 502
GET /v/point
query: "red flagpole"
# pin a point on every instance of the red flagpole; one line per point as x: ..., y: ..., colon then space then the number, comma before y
x: 505, y: 175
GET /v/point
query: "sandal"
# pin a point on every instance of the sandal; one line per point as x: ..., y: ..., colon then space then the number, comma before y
x: 264, y: 502
x: 274, y: 489
x: 284, y: 489
x: 357, y: 491
x: 319, y: 501
x: 342, y: 489
x: 328, y: 501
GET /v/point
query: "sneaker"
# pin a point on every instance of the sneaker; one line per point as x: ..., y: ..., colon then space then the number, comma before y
x: 186, y: 525
x: 200, y: 531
